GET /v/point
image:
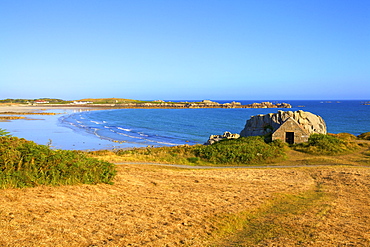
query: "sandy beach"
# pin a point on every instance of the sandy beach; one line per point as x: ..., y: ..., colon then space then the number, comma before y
x: 48, y: 129
x: 40, y: 108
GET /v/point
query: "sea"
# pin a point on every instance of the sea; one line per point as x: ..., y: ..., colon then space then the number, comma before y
x: 129, y: 128
x: 168, y: 127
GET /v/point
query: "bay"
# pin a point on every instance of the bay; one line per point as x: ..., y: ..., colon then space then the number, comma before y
x: 167, y: 127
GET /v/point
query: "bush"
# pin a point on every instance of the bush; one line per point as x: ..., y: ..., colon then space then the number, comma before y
x: 326, y: 144
x: 241, y: 151
x: 25, y: 164
x: 244, y: 150
x: 364, y: 136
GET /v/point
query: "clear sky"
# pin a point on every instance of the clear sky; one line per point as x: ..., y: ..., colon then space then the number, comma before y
x: 185, y: 49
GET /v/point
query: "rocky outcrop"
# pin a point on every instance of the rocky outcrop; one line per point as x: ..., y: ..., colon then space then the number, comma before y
x: 269, y: 105
x: 173, y: 105
x: 215, y: 138
x: 204, y: 104
x: 265, y: 124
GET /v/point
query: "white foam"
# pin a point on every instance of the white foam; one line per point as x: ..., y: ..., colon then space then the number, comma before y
x: 123, y: 129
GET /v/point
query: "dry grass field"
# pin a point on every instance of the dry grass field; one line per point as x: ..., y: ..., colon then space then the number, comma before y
x: 154, y: 206
x: 161, y: 206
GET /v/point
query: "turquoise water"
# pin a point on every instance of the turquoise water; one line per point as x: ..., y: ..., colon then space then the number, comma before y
x: 166, y: 127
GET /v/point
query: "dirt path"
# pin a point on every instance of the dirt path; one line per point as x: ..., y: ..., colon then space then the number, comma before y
x: 221, y: 167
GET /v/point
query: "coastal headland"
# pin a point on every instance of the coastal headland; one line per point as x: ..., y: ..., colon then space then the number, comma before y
x: 128, y: 103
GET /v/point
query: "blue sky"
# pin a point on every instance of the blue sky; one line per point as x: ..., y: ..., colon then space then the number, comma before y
x: 185, y: 49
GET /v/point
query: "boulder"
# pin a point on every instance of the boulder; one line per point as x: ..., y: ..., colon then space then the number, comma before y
x: 215, y: 138
x: 266, y: 124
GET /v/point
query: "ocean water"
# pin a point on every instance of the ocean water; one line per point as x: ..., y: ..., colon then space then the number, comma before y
x: 167, y: 127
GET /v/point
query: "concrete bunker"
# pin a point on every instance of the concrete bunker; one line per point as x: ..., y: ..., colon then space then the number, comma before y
x: 290, y: 127
x: 290, y: 132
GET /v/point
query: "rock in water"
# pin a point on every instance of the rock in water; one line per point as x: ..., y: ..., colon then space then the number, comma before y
x: 289, y: 126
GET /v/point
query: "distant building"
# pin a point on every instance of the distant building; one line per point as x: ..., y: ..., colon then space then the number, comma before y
x: 41, y: 102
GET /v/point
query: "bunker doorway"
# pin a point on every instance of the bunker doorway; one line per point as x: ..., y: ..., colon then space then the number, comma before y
x: 289, y: 137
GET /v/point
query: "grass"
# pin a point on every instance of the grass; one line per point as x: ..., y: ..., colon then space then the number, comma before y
x: 25, y: 164
x: 110, y: 101
x: 320, y: 144
x: 321, y: 149
x: 273, y: 221
x: 150, y: 206
x: 156, y: 206
x: 364, y: 136
x: 242, y: 151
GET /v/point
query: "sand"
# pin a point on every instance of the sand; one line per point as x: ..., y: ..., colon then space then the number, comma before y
x: 39, y: 108
x: 46, y: 129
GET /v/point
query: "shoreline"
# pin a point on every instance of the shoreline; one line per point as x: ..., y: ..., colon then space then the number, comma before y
x: 37, y: 108
x: 49, y: 129
x: 46, y: 129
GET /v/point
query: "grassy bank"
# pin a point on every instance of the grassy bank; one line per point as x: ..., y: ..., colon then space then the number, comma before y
x: 327, y: 205
x: 243, y: 152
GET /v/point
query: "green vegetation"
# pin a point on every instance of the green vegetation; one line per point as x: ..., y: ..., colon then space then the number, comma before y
x: 327, y: 144
x: 31, y: 101
x: 17, y: 101
x: 110, y: 101
x: 4, y: 132
x: 242, y: 151
x: 26, y: 164
x: 344, y: 136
